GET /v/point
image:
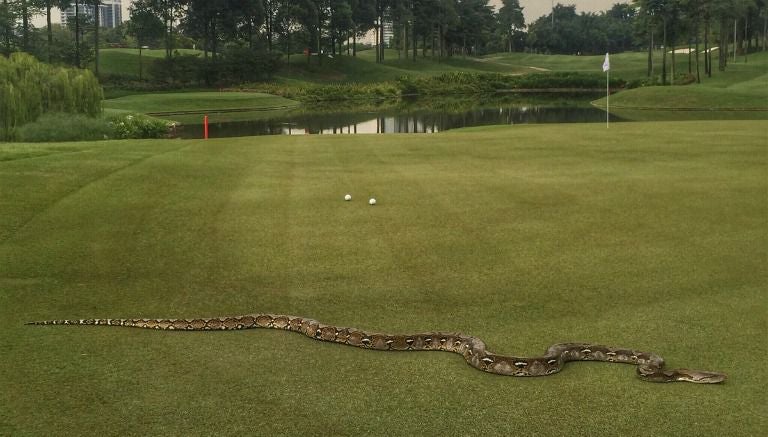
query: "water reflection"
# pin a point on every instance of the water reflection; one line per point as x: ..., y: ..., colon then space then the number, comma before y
x: 398, y: 120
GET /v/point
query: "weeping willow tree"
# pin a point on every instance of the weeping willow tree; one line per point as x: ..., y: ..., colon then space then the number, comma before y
x: 29, y: 88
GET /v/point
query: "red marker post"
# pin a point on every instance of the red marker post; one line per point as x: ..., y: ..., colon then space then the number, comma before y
x: 205, y: 127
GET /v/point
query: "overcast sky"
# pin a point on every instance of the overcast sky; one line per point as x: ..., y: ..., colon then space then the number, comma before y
x: 533, y: 9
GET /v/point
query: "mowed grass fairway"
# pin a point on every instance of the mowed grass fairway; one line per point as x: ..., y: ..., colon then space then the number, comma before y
x: 648, y: 235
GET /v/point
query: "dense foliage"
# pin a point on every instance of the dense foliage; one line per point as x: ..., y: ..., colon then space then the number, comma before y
x: 29, y: 88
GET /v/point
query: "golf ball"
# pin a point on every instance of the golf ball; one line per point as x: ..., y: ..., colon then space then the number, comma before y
x: 372, y: 201
x: 348, y: 197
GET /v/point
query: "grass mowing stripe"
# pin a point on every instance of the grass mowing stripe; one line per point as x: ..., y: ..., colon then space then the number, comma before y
x: 646, y: 235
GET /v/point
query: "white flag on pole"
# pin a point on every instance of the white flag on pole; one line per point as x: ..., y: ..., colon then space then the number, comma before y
x: 607, y: 63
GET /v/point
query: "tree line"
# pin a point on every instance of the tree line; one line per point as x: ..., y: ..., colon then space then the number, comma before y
x: 232, y: 32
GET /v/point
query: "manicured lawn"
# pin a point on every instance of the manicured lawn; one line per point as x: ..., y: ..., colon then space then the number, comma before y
x: 644, y: 235
x: 196, y: 102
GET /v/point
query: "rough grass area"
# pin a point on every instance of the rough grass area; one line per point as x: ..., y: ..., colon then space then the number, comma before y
x: 645, y: 235
x: 197, y: 102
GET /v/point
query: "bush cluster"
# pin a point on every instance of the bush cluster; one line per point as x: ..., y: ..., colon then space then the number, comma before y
x: 139, y: 126
x: 56, y: 126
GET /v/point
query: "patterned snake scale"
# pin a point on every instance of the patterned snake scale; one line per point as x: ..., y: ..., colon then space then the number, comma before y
x: 649, y: 365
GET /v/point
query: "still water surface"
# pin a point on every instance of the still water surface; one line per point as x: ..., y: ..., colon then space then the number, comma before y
x: 397, y: 120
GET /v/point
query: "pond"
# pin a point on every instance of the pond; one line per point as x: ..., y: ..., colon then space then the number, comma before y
x: 408, y: 116
x: 422, y: 116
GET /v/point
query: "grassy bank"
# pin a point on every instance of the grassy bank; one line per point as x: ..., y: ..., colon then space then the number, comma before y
x: 649, y: 236
x: 744, y: 86
x: 158, y: 103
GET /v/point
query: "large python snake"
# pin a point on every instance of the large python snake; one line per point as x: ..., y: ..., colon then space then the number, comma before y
x: 649, y: 365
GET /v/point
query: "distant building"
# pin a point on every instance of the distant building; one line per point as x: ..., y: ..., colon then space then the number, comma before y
x: 110, y: 13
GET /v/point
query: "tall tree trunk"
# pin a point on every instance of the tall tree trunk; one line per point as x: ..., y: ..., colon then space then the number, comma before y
x: 381, y: 39
x: 206, y: 38
x: 723, y: 55
x: 736, y: 41
x: 319, y: 43
x: 674, y: 65
x: 698, y: 71
x: 414, y: 39
x: 167, y: 20
x: 690, y: 56
x: 664, y: 54
x: 24, y: 26
x: 77, y: 33
x: 270, y: 25
x: 707, y: 51
x: 49, y: 31
x: 434, y: 42
x: 749, y: 45
x: 214, y: 40
x: 96, y: 25
x: 250, y: 34
x: 441, y: 41
x: 650, y: 53
x: 6, y: 30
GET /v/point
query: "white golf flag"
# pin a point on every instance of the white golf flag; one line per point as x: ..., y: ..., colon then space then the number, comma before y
x: 607, y: 63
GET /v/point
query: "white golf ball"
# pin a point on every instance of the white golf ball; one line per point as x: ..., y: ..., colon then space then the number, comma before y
x: 348, y: 197
x: 372, y: 201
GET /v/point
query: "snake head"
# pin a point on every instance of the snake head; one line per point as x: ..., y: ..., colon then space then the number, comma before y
x: 700, y: 376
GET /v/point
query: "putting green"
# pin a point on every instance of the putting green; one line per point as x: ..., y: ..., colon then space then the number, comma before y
x: 644, y: 235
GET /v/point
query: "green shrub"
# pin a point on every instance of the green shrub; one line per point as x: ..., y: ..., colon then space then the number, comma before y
x: 138, y: 126
x: 64, y: 127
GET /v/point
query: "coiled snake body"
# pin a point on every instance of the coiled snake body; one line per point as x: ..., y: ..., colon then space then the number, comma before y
x: 649, y: 365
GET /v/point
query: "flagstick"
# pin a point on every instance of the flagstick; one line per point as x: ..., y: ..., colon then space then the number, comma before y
x: 608, y: 99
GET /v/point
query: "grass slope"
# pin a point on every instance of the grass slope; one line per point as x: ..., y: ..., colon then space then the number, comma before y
x: 125, y: 62
x: 744, y: 85
x: 650, y: 236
